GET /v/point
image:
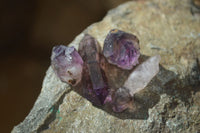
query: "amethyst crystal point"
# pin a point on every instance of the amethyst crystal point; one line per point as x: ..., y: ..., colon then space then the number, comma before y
x: 121, y: 49
x: 67, y: 64
x: 142, y: 74
x: 89, y: 50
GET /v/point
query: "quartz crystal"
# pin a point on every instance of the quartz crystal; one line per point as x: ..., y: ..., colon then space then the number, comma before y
x: 89, y: 50
x: 67, y: 64
x: 142, y: 74
x: 121, y: 49
x: 137, y: 80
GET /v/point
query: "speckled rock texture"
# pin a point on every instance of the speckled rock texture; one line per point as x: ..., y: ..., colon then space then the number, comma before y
x: 169, y: 104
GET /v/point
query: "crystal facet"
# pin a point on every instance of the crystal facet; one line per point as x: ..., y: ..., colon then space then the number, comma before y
x: 121, y: 49
x: 89, y: 50
x: 67, y: 64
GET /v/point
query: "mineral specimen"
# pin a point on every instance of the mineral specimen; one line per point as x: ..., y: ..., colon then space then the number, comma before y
x: 137, y: 80
x: 121, y: 49
x: 90, y: 52
x: 67, y: 64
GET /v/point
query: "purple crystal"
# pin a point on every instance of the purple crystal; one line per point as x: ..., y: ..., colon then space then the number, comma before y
x: 121, y: 100
x: 142, y: 74
x: 67, y: 64
x: 121, y: 49
x: 89, y: 51
x: 88, y: 90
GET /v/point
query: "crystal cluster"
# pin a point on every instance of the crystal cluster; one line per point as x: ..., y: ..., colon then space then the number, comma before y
x: 89, y: 50
x: 121, y: 49
x: 67, y: 64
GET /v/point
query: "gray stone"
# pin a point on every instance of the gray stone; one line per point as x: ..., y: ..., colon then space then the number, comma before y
x: 52, y: 91
x: 170, y: 103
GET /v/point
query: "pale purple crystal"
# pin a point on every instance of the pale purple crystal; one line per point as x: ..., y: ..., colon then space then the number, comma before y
x: 89, y: 50
x: 142, y: 74
x: 67, y: 64
x: 121, y: 49
x: 121, y: 99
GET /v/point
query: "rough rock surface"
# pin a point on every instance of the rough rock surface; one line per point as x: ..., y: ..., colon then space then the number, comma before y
x: 170, y: 103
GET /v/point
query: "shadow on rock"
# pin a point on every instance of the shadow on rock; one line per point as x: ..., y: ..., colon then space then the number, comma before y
x: 178, y: 88
x: 144, y: 99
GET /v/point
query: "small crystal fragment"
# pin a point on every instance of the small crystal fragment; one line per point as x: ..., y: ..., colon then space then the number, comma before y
x: 67, y: 64
x: 89, y: 51
x: 121, y: 49
x: 136, y: 81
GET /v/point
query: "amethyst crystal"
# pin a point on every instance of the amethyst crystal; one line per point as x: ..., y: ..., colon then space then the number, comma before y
x: 88, y: 90
x: 67, y: 64
x: 121, y: 99
x: 121, y: 49
x: 142, y: 74
x: 89, y: 50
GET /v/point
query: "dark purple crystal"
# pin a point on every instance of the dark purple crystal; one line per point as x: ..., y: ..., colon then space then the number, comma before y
x: 67, y: 64
x: 89, y: 50
x: 119, y: 99
x: 121, y: 49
